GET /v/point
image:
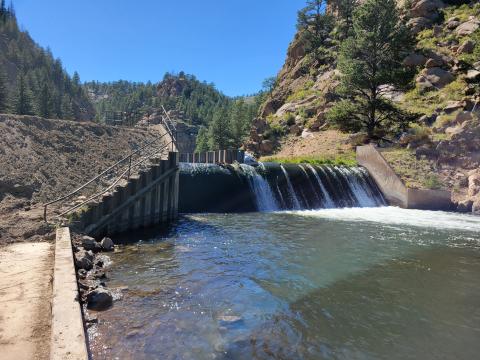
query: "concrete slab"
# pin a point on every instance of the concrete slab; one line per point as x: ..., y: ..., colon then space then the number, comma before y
x: 25, y: 290
x: 68, y: 334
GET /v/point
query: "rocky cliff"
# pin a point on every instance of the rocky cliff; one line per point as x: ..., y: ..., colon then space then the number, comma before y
x: 445, y: 92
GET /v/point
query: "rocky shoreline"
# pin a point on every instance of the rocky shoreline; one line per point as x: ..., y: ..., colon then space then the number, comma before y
x: 91, y: 264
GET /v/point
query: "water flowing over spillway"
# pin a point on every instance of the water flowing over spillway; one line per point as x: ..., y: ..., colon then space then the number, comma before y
x: 274, y: 187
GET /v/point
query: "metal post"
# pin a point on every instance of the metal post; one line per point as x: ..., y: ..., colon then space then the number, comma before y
x: 129, y: 166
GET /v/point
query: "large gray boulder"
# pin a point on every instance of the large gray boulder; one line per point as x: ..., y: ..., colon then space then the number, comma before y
x: 84, y: 260
x: 418, y: 24
x: 468, y: 27
x: 426, y: 9
x: 99, y: 299
x: 466, y: 48
x: 107, y: 244
x: 414, y: 60
x: 434, y: 78
x: 90, y: 244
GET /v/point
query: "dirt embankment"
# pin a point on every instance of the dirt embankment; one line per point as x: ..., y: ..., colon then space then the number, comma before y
x: 42, y: 159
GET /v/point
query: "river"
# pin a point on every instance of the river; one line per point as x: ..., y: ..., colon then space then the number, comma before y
x: 362, y: 283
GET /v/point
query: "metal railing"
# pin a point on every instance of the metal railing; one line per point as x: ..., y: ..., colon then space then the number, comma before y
x: 122, y: 169
x: 170, y: 127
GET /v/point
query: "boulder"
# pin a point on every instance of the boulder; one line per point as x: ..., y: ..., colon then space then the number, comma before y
x: 260, y: 125
x: 468, y: 27
x: 473, y: 75
x: 426, y: 9
x: 476, y: 207
x: 463, y: 116
x: 466, y: 48
x: 414, y: 60
x: 452, y: 24
x: 437, y: 77
x: 107, y: 244
x: 89, y: 243
x: 266, y: 146
x: 474, y: 184
x: 437, y: 62
x: 295, y: 130
x: 453, y: 106
x: 99, y: 299
x: 465, y: 206
x: 418, y: 24
x: 84, y: 260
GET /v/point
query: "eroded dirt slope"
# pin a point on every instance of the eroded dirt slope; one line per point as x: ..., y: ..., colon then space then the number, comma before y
x: 42, y: 159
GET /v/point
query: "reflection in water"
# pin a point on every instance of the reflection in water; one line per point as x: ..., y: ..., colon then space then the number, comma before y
x: 284, y: 286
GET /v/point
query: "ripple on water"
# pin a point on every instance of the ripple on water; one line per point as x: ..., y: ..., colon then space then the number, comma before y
x: 369, y: 283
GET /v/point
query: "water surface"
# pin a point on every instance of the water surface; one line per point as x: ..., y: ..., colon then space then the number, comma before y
x: 330, y: 284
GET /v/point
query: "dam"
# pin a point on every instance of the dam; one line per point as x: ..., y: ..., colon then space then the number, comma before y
x: 274, y: 187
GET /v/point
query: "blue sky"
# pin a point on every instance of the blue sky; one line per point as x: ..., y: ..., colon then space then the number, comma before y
x: 234, y: 44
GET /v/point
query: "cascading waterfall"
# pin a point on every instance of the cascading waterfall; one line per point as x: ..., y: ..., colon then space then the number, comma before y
x: 291, y: 190
x: 274, y: 187
x: 264, y: 197
x: 328, y: 200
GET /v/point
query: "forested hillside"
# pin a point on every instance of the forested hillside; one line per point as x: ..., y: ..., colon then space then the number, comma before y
x: 221, y: 121
x: 32, y: 81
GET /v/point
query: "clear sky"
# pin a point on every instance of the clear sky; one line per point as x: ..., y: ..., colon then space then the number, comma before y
x: 234, y: 44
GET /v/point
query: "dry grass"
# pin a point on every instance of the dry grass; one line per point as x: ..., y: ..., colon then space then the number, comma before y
x: 419, y: 174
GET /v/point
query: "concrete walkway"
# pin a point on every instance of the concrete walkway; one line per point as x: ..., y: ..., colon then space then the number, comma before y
x: 26, y: 271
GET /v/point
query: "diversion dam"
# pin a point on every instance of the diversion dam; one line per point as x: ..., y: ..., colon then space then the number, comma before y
x: 273, y: 187
x: 236, y: 278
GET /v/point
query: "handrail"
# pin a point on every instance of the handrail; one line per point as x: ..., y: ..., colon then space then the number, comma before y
x: 114, y: 183
x: 169, y: 124
x: 128, y: 157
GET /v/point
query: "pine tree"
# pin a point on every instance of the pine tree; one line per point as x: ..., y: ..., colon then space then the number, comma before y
x: 219, y: 134
x: 3, y: 11
x: 45, y: 105
x: 67, y: 108
x: 23, y: 100
x: 314, y: 25
x: 371, y: 58
x: 202, y: 140
x: 238, y: 123
x: 345, y: 9
x: 3, y: 92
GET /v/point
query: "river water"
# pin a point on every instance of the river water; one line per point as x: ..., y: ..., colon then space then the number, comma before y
x: 371, y: 283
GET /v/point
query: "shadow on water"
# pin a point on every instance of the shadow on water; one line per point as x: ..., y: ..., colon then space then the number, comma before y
x: 424, y: 306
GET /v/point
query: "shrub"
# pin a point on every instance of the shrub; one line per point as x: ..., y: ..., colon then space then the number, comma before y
x: 433, y: 182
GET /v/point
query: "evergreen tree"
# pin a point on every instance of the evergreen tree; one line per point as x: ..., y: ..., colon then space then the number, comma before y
x: 3, y: 11
x: 45, y: 105
x: 67, y: 108
x: 238, y: 123
x: 219, y: 130
x: 314, y: 25
x: 345, y: 9
x: 202, y: 140
x: 23, y: 99
x: 3, y: 92
x: 370, y: 59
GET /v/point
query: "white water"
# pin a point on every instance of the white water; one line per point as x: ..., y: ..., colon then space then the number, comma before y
x: 328, y: 200
x: 363, y: 198
x: 291, y: 191
x: 398, y: 216
x: 264, y: 197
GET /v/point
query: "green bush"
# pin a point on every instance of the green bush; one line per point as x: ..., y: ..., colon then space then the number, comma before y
x: 433, y: 182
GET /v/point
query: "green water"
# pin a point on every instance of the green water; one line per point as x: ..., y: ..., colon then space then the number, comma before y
x: 378, y: 283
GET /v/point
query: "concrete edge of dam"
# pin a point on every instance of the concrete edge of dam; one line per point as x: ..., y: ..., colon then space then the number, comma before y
x: 395, y: 190
x: 68, y: 340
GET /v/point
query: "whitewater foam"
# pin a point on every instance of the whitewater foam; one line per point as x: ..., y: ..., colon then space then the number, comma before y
x: 398, y: 216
